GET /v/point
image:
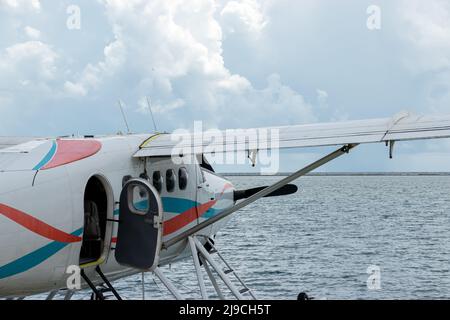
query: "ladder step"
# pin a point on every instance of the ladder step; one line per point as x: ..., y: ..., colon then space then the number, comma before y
x: 229, y: 271
x: 245, y: 290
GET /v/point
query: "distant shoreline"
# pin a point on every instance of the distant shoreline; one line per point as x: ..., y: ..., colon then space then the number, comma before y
x: 346, y: 174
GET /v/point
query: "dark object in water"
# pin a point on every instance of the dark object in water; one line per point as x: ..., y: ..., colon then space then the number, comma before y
x: 303, y: 297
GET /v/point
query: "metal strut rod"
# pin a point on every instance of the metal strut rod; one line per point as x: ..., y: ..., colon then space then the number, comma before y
x: 97, y: 293
x: 108, y: 284
x: 336, y: 154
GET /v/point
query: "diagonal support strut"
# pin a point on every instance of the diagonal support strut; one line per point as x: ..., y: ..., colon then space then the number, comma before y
x: 332, y: 156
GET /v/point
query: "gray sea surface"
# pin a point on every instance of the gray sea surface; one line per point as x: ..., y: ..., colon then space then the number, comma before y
x: 323, y: 239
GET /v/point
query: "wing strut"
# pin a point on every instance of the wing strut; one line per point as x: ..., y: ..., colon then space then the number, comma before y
x: 336, y: 154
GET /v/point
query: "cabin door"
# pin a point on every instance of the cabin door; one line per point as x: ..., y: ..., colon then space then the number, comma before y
x: 140, y: 226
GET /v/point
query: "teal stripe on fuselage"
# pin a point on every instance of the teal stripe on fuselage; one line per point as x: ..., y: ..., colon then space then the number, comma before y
x: 172, y: 205
x: 177, y: 206
x: 211, y: 213
x: 34, y: 258
x: 47, y: 158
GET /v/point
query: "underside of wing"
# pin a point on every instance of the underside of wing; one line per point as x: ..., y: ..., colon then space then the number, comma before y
x: 398, y: 128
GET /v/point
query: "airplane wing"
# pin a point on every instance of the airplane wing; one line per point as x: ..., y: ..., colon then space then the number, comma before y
x: 398, y: 128
x: 7, y: 142
x: 346, y: 135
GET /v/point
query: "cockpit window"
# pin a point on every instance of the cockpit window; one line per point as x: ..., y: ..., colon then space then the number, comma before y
x: 205, y: 164
x: 170, y: 180
x: 182, y: 178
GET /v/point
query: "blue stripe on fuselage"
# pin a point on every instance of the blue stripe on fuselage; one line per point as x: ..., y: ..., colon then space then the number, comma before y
x: 34, y: 258
x: 178, y: 206
x: 47, y: 158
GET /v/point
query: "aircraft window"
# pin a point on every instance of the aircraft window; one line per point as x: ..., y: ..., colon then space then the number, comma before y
x: 138, y: 200
x: 182, y: 178
x: 170, y: 180
x: 205, y: 164
x: 157, y: 181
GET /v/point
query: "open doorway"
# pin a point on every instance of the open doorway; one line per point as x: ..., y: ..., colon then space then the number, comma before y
x: 95, y: 220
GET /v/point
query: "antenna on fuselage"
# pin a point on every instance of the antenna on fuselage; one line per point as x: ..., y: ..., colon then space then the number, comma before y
x: 124, y: 117
x: 151, y: 113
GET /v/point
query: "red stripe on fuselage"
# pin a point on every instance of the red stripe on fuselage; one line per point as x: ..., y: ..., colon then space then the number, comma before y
x: 37, y: 226
x: 185, y: 218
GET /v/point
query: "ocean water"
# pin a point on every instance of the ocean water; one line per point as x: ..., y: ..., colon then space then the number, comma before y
x: 323, y: 239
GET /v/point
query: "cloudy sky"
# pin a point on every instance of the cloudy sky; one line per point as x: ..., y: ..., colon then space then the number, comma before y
x: 230, y: 64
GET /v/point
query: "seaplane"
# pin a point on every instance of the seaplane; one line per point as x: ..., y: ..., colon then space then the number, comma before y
x: 108, y: 207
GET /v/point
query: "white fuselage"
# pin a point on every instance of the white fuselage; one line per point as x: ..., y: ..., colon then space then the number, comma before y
x: 43, y: 188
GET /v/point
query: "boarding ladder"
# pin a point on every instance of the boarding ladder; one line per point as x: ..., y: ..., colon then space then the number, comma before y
x: 202, y: 255
x: 98, y: 293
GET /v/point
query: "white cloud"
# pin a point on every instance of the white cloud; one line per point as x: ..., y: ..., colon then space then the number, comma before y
x: 21, y: 5
x: 242, y: 16
x: 157, y: 107
x: 93, y: 75
x: 28, y: 81
x: 75, y: 89
x: 32, y: 33
x: 31, y: 61
x: 276, y: 104
x: 173, y: 51
x: 428, y: 31
x: 322, y: 97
